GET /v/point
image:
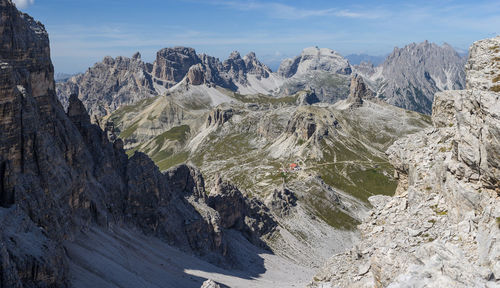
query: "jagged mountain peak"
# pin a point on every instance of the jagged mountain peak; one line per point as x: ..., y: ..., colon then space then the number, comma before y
x: 238, y: 69
x: 121, y: 62
x: 234, y: 55
x: 422, y: 49
x: 320, y: 69
x: 183, y: 50
x: 250, y: 55
x: 358, y: 91
x: 448, y: 46
x: 407, y: 78
x: 410, y: 75
x: 172, y: 64
x: 109, y: 84
x: 136, y: 56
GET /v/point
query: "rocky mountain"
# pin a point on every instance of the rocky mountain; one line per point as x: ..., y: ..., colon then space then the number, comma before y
x: 314, y: 58
x: 172, y: 64
x: 319, y: 69
x: 123, y: 81
x: 410, y: 76
x: 110, y: 84
x: 62, y: 179
x: 442, y: 227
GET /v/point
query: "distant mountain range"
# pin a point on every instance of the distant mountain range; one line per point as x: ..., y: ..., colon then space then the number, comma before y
x: 407, y: 78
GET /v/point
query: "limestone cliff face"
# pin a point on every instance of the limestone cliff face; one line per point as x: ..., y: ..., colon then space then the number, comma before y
x: 59, y: 173
x: 320, y: 69
x: 219, y: 116
x: 172, y: 64
x: 109, y: 84
x: 441, y: 229
x: 410, y: 76
x: 483, y: 66
x: 314, y: 58
x: 255, y: 67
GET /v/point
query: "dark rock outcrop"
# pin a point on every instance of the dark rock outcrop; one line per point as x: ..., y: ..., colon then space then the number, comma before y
x: 219, y: 116
x: 28, y: 258
x: 109, y: 129
x: 358, y: 91
x: 171, y: 206
x: 250, y: 216
x: 60, y: 174
x: 307, y: 98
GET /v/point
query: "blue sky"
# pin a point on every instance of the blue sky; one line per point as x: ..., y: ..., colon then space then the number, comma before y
x: 83, y: 32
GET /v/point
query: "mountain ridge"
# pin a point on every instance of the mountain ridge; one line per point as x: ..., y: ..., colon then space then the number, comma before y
x: 411, y: 75
x: 320, y: 69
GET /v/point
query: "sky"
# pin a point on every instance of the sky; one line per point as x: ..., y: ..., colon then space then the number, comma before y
x: 82, y: 32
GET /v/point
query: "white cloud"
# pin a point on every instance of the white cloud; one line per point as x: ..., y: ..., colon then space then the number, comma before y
x: 362, y: 15
x: 283, y: 11
x: 22, y: 4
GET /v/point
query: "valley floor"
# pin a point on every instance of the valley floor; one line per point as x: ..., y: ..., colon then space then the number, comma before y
x: 125, y: 258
